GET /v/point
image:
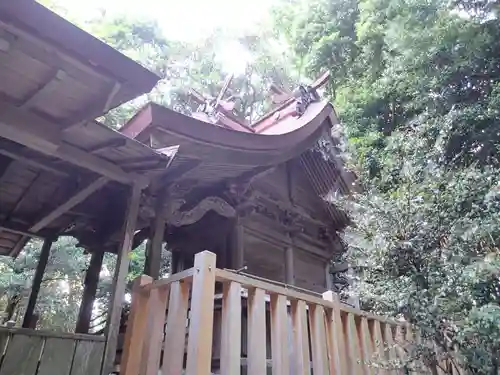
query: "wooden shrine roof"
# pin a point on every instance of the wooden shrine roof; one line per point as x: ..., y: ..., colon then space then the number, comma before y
x: 53, y: 68
x: 55, y: 79
x: 33, y: 185
x: 211, y: 155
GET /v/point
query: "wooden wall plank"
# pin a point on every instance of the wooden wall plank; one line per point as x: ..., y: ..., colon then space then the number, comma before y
x: 88, y: 358
x: 4, y: 340
x: 119, y: 280
x: 279, y: 337
x: 379, y: 348
x: 318, y: 340
x: 199, y: 351
x: 400, y: 342
x: 22, y: 355
x: 335, y: 336
x: 391, y: 349
x: 231, y: 329
x: 57, y: 357
x: 136, y: 328
x: 353, y: 348
x: 366, y: 346
x: 302, y: 362
x: 256, y: 358
x: 153, y: 344
x: 175, y: 336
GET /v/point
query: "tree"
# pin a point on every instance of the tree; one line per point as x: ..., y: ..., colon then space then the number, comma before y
x: 416, y: 83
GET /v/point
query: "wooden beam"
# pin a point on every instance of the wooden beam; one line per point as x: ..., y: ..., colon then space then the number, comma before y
x: 30, y: 161
x: 23, y: 196
x: 89, y: 292
x: 20, y: 230
x: 153, y: 261
x: 37, y: 281
x: 176, y: 173
x: 121, y: 271
x: 70, y: 203
x: 28, y: 129
x: 112, y: 143
x: 93, y: 163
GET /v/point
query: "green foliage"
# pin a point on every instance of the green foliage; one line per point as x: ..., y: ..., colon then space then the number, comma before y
x: 417, y: 86
x: 416, y: 83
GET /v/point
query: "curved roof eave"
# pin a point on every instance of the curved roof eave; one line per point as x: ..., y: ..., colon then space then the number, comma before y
x: 199, y: 139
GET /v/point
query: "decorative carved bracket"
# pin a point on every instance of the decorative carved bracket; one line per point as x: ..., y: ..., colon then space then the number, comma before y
x: 179, y: 218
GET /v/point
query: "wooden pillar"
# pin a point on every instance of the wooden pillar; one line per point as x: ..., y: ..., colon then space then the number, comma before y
x: 91, y: 282
x: 154, y: 246
x: 353, y: 300
x: 328, y: 276
x: 37, y: 281
x: 199, y: 346
x: 236, y: 245
x: 121, y: 271
x: 289, y: 267
x: 175, y: 261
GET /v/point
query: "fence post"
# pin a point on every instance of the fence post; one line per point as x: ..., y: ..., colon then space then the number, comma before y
x: 136, y: 328
x: 199, y: 351
x: 335, y: 335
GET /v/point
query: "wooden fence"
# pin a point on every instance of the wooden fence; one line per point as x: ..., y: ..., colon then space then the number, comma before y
x: 276, y: 329
x: 30, y: 352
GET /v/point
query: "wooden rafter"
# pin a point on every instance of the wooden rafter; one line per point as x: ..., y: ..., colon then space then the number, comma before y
x: 16, y: 125
x: 16, y: 229
x: 69, y: 203
x: 54, y: 79
x: 176, y: 173
x: 30, y: 161
x: 23, y: 196
x: 112, y: 143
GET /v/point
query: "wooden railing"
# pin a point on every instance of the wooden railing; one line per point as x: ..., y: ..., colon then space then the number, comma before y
x: 29, y: 352
x: 307, y: 334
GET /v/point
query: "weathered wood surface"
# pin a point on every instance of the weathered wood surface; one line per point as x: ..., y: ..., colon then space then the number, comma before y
x: 308, y: 334
x: 88, y: 357
x: 21, y: 357
x: 57, y: 356
x: 199, y: 351
x: 37, y: 281
x: 175, y: 336
x: 28, y: 352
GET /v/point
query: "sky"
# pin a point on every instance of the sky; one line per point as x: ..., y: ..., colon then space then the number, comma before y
x: 182, y: 19
x: 187, y: 20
